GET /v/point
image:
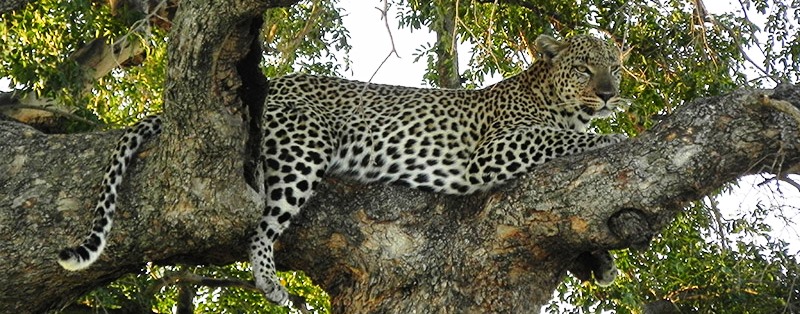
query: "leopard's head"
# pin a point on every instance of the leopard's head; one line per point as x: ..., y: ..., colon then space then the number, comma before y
x: 584, y: 73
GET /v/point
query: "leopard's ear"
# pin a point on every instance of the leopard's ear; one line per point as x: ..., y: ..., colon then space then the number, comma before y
x: 549, y: 47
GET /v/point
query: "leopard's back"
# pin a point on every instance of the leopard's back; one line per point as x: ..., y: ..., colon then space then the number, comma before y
x: 416, y: 137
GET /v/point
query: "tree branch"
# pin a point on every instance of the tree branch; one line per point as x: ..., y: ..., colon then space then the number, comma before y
x: 394, y: 244
x: 194, y: 279
x: 372, y: 247
x: 10, y: 5
x: 385, y: 19
x: 51, y: 212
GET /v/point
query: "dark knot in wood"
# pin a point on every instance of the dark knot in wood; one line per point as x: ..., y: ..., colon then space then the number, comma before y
x: 632, y: 227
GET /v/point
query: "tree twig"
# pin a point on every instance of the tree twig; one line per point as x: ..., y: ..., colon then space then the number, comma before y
x: 785, y: 178
x: 385, y: 18
x: 194, y: 279
x: 49, y: 107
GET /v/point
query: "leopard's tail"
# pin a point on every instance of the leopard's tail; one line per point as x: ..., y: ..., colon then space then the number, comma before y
x: 80, y: 257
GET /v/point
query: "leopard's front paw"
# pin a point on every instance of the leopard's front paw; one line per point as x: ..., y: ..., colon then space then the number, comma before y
x: 617, y: 137
x: 605, y: 274
x: 598, y: 265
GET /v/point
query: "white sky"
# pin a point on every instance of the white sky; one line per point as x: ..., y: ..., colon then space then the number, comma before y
x: 371, y: 44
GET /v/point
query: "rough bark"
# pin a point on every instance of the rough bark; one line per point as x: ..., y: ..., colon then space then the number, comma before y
x: 11, y: 5
x: 444, y: 24
x: 373, y: 248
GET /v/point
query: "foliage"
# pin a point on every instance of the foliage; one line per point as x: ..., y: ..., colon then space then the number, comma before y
x: 39, y: 41
x: 136, y: 291
x: 698, y: 274
x: 678, y: 52
x: 305, y: 38
x: 224, y: 300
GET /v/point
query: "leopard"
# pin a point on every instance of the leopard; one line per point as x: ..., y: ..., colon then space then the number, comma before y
x: 451, y: 141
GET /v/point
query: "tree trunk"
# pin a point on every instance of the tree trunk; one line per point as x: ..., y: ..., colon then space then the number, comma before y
x: 444, y: 24
x: 387, y: 249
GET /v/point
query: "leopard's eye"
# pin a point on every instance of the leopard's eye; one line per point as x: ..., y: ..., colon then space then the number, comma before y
x: 615, y: 69
x: 582, y: 69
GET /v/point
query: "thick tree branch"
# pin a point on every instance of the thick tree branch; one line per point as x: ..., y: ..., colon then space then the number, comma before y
x: 51, y: 211
x: 373, y: 248
x: 444, y: 25
x: 383, y: 245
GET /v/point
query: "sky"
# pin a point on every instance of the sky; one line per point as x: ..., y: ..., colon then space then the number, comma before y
x: 371, y: 44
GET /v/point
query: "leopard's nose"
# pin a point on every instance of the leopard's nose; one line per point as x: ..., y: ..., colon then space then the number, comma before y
x: 605, y: 95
